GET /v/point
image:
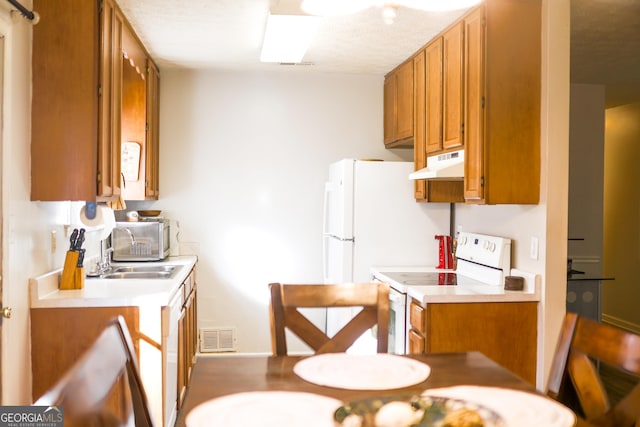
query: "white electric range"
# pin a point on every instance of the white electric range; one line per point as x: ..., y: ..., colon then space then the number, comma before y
x: 483, y: 261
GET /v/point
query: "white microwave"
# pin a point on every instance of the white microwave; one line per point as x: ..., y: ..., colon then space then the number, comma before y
x: 141, y: 241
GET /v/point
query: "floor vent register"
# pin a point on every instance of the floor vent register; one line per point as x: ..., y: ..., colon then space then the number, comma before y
x: 214, y: 340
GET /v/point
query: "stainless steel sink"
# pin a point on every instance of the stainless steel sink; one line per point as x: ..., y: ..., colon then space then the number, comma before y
x: 141, y: 272
x: 143, y: 269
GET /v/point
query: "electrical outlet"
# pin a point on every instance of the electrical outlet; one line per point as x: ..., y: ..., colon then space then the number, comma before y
x: 534, y: 248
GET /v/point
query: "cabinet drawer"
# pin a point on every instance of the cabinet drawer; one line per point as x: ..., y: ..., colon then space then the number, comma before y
x: 416, y: 317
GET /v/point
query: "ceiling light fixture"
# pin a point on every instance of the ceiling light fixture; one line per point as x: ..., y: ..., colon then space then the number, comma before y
x: 287, y: 37
x: 346, y: 7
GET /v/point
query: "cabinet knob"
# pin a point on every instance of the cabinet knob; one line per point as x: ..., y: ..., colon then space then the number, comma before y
x: 6, y: 312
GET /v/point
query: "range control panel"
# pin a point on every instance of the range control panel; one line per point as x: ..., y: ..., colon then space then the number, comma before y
x: 490, y: 251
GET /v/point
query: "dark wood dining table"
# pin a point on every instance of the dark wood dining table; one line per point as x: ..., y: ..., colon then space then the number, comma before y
x: 216, y: 376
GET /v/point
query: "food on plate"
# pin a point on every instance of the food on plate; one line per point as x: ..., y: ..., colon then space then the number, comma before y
x: 397, y: 414
x: 415, y: 411
x: 463, y: 418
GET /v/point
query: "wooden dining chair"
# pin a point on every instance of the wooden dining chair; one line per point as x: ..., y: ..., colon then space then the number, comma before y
x: 583, y: 348
x: 287, y: 299
x: 104, y: 387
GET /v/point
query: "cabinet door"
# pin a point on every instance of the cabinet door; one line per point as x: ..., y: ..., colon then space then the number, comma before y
x: 152, y: 138
x: 182, y: 353
x: 416, y: 342
x: 453, y: 101
x: 419, y: 122
x: 404, y: 101
x: 389, y: 108
x: 474, y: 112
x: 434, y: 96
x: 65, y: 97
x: 109, y: 121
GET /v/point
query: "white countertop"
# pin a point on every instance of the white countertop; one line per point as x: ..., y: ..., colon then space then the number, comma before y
x: 463, y: 293
x: 44, y: 292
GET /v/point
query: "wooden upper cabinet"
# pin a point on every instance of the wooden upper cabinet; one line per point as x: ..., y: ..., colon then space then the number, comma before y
x: 453, y: 101
x: 502, y: 98
x: 398, y: 106
x: 80, y: 93
x: 433, y: 111
x: 64, y: 116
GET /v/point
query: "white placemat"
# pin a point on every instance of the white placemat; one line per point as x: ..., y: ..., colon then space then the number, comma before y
x: 518, y: 408
x: 362, y: 372
x: 265, y: 409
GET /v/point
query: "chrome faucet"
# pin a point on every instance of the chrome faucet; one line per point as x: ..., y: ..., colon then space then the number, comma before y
x: 104, y: 265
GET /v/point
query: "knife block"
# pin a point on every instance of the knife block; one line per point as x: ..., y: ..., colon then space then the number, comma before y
x: 72, y: 275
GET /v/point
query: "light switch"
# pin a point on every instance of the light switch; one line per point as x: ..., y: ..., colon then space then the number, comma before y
x: 534, y: 248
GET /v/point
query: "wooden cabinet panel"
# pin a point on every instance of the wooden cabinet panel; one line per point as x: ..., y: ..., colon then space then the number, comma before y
x: 404, y: 102
x: 452, y: 97
x: 474, y: 113
x: 57, y: 343
x: 108, y: 174
x: 419, y: 123
x: 417, y: 317
x: 416, y: 342
x: 134, y: 120
x: 434, y: 78
x: 398, y: 106
x: 64, y: 129
x: 152, y: 181
x: 389, y: 108
x: 506, y: 332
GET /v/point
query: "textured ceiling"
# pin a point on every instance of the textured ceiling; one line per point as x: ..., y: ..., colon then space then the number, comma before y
x: 605, y: 47
x: 227, y: 34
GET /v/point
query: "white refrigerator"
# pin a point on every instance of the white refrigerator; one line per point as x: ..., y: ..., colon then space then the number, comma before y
x: 372, y: 219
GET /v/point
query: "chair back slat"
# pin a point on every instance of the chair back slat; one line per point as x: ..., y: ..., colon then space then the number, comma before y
x: 584, y: 347
x: 286, y: 299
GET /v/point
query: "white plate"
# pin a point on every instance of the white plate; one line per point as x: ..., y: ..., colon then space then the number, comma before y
x: 265, y: 409
x: 518, y: 408
x: 362, y: 372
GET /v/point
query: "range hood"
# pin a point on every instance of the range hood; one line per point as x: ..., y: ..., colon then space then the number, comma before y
x: 447, y: 165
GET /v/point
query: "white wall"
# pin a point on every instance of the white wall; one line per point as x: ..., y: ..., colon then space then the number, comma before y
x: 243, y: 160
x: 621, y: 213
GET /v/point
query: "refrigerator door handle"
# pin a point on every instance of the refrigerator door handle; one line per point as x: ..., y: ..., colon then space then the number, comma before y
x: 325, y: 212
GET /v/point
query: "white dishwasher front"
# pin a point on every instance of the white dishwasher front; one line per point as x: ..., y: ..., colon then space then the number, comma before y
x: 170, y: 321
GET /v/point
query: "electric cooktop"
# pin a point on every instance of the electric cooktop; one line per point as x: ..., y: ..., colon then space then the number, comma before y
x: 433, y: 278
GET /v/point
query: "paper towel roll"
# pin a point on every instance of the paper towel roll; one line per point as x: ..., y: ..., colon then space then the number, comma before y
x: 105, y: 220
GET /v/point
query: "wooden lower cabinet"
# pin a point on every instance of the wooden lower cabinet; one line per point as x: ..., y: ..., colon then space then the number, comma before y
x: 187, y: 336
x: 504, y: 331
